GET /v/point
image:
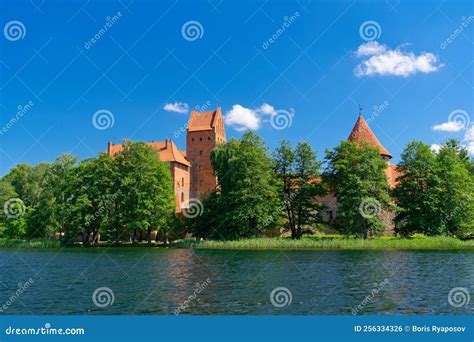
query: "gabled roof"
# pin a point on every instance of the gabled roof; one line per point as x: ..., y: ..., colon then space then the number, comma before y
x: 203, y: 121
x: 362, y: 133
x: 167, y: 149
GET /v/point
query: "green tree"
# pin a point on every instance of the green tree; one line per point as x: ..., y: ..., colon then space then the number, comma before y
x: 435, y: 192
x: 418, y: 192
x: 248, y: 202
x: 300, y: 183
x: 356, y: 173
x: 146, y: 189
x: 457, y: 186
x: 51, y: 213
x: 12, y: 209
x: 89, y: 199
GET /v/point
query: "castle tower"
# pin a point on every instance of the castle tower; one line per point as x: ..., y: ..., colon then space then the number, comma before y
x: 362, y: 133
x: 205, y: 131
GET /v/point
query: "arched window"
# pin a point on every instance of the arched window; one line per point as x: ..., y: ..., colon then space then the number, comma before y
x: 182, y: 182
x: 182, y: 197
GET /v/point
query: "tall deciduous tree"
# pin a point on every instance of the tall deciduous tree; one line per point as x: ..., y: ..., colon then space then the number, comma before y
x: 356, y: 173
x: 146, y: 188
x: 300, y: 183
x: 418, y: 191
x: 247, y: 202
x: 435, y: 192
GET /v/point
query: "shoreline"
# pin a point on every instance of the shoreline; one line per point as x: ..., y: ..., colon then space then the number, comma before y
x: 306, y: 243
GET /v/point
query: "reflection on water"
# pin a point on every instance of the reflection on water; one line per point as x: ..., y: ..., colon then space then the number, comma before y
x: 157, y: 282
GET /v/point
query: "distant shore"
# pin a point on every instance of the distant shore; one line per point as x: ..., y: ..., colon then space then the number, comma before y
x: 306, y: 243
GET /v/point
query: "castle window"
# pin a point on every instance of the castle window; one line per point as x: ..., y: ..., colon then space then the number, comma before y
x: 200, y: 183
x: 200, y: 153
x: 182, y: 182
x: 200, y: 139
x: 192, y: 139
x: 182, y: 197
x: 209, y: 138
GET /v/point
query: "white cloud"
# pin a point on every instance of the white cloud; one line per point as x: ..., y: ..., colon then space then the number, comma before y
x: 450, y: 126
x: 470, y: 148
x: 177, y: 107
x: 242, y: 118
x: 435, y: 147
x: 381, y: 60
x: 370, y: 48
x: 266, y: 109
x: 469, y: 136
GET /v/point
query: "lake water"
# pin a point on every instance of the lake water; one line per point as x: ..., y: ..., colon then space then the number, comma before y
x: 146, y: 281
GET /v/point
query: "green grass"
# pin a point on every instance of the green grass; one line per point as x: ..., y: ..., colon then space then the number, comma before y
x: 29, y: 243
x: 335, y: 242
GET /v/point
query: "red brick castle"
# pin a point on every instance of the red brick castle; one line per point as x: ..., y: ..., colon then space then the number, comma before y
x: 191, y: 170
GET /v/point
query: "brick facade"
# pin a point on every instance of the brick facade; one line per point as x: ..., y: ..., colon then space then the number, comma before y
x: 191, y: 170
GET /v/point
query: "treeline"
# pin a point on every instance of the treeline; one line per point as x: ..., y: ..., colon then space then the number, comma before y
x: 258, y: 192
x: 122, y: 198
x: 128, y: 196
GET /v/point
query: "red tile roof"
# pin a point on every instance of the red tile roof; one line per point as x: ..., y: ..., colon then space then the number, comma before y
x: 168, y: 151
x: 203, y: 121
x: 362, y: 133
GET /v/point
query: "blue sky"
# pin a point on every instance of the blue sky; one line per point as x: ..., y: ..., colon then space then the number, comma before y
x: 303, y: 65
